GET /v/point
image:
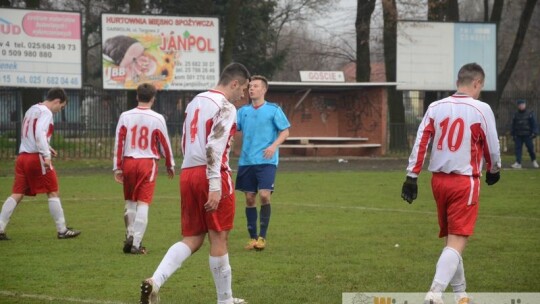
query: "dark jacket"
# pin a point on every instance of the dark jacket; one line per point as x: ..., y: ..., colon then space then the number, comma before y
x: 524, y: 124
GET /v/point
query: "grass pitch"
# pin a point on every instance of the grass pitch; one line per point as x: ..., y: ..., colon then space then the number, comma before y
x: 330, y: 233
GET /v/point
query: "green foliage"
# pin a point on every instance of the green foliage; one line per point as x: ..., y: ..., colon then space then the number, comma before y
x: 330, y: 233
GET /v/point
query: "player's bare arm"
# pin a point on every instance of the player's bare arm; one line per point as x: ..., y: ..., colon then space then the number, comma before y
x: 269, y: 152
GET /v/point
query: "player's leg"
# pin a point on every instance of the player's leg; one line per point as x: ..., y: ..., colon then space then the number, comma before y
x: 219, y: 266
x: 246, y: 182
x: 457, y: 206
x: 458, y: 282
x: 7, y: 210
x: 144, y: 177
x: 139, y: 227
x: 20, y: 186
x: 251, y: 218
x: 57, y: 213
x: 193, y: 195
x: 130, y: 210
x: 219, y: 223
x: 172, y: 261
x: 266, y: 175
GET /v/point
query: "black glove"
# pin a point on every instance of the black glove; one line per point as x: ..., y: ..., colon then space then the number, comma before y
x: 409, y: 189
x: 533, y: 135
x: 492, y: 178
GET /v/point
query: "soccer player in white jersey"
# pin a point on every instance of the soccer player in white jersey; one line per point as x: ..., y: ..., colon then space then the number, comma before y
x: 464, y: 136
x: 206, y: 188
x: 141, y: 135
x: 34, y: 172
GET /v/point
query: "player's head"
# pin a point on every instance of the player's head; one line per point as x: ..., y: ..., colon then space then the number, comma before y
x: 258, y: 85
x: 58, y: 99
x: 146, y: 92
x: 235, y: 79
x: 471, y: 76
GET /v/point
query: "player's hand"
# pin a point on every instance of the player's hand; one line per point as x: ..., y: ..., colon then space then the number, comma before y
x: 53, y: 152
x: 533, y: 135
x: 213, y: 201
x: 170, y: 172
x: 269, y: 152
x: 409, y: 190
x: 47, y: 163
x: 119, y: 176
x: 492, y: 178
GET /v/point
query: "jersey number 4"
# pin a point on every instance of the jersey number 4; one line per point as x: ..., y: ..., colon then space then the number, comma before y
x: 452, y: 136
x: 142, y: 140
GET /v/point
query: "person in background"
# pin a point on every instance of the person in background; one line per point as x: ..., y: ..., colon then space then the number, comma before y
x: 141, y: 136
x: 524, y: 130
x: 34, y: 172
x: 264, y: 127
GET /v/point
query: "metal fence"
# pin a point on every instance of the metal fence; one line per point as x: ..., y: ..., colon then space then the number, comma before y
x: 86, y: 127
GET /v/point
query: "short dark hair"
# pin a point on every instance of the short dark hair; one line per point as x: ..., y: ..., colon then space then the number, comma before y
x: 55, y: 93
x: 145, y: 92
x: 261, y: 78
x: 234, y: 71
x: 469, y: 72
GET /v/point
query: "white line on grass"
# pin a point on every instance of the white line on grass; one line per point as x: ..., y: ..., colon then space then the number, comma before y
x: 323, y: 205
x: 55, y: 299
x: 330, y: 206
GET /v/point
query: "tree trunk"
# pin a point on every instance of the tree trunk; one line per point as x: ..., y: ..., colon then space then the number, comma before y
x: 231, y: 23
x: 526, y: 15
x: 496, y: 12
x: 493, y: 98
x: 398, y: 140
x: 446, y: 10
x: 363, y: 19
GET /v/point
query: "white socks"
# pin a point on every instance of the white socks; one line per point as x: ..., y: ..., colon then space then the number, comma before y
x: 57, y: 213
x: 130, y: 210
x: 7, y: 210
x: 458, y: 282
x: 172, y: 260
x: 447, y: 268
x: 139, y: 225
x: 221, y: 270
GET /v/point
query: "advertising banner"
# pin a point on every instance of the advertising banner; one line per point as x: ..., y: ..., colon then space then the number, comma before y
x: 430, y: 54
x: 40, y: 48
x: 173, y: 53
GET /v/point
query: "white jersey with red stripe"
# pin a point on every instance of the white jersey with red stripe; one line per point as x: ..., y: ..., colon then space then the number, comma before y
x: 37, y: 129
x: 209, y: 125
x: 142, y: 133
x: 464, y: 136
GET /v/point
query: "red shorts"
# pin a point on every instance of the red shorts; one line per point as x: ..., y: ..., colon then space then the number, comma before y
x: 193, y: 196
x: 139, y: 179
x: 457, y: 202
x: 31, y: 177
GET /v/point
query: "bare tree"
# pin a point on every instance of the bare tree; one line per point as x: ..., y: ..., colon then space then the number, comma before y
x: 493, y: 98
x: 309, y: 52
x: 363, y: 19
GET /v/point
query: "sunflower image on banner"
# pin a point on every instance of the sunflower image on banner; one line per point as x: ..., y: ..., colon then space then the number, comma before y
x: 135, y: 59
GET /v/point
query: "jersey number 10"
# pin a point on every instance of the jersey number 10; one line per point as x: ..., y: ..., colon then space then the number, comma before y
x: 453, y: 140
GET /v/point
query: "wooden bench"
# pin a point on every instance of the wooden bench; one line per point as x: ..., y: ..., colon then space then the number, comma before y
x: 315, y: 143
